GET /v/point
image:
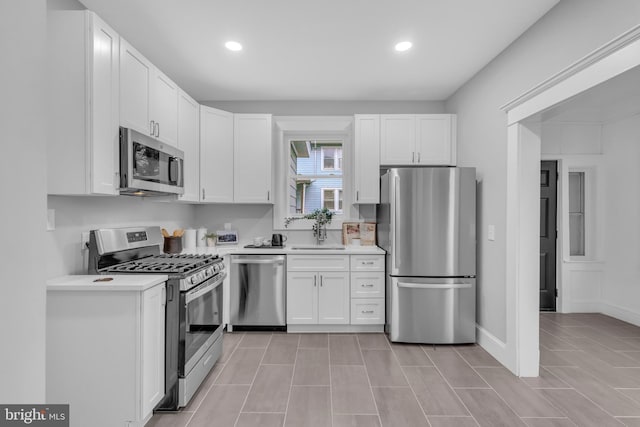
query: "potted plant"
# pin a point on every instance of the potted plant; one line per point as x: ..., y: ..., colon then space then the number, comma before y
x: 322, y: 217
x: 210, y: 238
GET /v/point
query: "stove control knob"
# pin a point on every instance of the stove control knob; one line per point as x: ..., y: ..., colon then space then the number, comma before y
x: 192, y: 279
x: 211, y: 271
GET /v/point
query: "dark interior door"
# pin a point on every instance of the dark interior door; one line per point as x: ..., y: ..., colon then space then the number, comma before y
x: 548, y: 235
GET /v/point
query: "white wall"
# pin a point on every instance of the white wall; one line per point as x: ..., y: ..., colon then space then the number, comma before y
x: 77, y: 214
x: 568, y: 32
x: 23, y: 206
x: 621, y: 290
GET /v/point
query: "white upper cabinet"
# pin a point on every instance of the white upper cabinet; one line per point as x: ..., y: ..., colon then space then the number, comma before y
x: 148, y: 98
x: 252, y: 158
x: 136, y: 73
x: 367, y: 158
x: 83, y: 145
x: 189, y: 142
x: 417, y: 139
x: 216, y: 155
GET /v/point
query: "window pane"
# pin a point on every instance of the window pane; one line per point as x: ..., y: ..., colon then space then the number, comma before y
x: 576, y: 214
x: 340, y: 200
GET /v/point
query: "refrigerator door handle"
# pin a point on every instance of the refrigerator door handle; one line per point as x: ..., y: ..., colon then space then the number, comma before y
x: 435, y: 285
x: 394, y: 218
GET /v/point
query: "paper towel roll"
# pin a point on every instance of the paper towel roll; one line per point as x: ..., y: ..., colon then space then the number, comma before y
x: 189, y: 240
x: 200, y: 240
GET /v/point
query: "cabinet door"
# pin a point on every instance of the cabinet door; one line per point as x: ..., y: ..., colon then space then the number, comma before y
x: 135, y: 85
x: 367, y: 158
x: 164, y: 108
x: 216, y: 155
x: 302, y: 298
x: 435, y: 144
x: 333, y: 298
x: 397, y: 139
x: 152, y: 363
x: 103, y: 92
x: 252, y: 158
x: 189, y: 142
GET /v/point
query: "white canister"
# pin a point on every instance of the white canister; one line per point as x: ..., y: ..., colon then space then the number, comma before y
x: 189, y: 240
x: 200, y: 239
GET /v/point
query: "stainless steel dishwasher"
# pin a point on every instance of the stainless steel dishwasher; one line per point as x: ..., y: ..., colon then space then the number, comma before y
x: 257, y: 295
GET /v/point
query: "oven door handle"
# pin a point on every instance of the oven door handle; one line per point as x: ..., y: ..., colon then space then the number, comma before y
x: 199, y: 291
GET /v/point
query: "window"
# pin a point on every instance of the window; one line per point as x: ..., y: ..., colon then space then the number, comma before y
x: 576, y: 214
x: 315, y: 175
x: 332, y: 199
x: 332, y: 158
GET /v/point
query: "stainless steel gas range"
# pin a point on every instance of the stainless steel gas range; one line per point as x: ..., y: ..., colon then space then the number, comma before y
x: 193, y: 337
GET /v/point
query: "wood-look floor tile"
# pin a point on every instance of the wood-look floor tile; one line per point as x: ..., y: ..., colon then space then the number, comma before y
x: 312, y: 367
x: 433, y: 393
x: 260, y: 420
x: 562, y: 319
x: 169, y: 419
x: 615, y: 377
x: 229, y: 343
x: 603, y: 395
x: 554, y: 343
x: 554, y: 358
x: 281, y: 350
x: 221, y: 406
x: 373, y: 341
x: 579, y: 409
x: 309, y: 406
x: 545, y: 379
x: 398, y: 407
x: 488, y: 408
x: 616, y: 359
x: 350, y: 390
x: 476, y: 355
x: 209, y: 380
x: 454, y: 368
x: 411, y: 355
x: 383, y: 368
x: 343, y: 420
x: 611, y: 341
x: 452, y: 422
x: 549, y: 422
x: 255, y: 340
x: 633, y: 393
x: 525, y: 401
x: 242, y: 367
x: 314, y: 341
x: 630, y: 422
x: 270, y: 389
x: 344, y: 350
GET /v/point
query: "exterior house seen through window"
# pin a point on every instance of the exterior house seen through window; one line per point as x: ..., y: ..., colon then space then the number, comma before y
x: 315, y: 176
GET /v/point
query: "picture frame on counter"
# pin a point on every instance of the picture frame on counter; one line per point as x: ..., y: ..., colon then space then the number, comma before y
x: 365, y: 232
x: 227, y: 237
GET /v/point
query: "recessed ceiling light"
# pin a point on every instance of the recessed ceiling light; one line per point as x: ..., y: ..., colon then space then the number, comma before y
x: 403, y: 46
x: 234, y: 46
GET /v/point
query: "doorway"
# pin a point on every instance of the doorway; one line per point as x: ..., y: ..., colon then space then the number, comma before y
x: 548, y: 234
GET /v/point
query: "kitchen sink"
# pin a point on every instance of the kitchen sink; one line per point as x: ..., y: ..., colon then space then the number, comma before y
x: 318, y: 247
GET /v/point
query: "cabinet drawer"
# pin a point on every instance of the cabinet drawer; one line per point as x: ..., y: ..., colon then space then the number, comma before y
x: 367, y: 284
x: 318, y: 263
x: 367, y: 311
x: 367, y: 262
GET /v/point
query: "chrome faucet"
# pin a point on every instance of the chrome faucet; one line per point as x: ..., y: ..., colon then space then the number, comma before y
x: 320, y: 228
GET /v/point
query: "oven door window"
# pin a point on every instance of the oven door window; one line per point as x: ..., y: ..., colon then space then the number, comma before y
x: 156, y: 166
x: 202, y: 318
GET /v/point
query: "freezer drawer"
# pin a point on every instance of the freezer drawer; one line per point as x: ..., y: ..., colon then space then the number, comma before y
x: 257, y: 294
x: 431, y: 310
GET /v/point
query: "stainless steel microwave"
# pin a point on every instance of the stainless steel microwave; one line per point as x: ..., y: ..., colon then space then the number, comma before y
x: 149, y: 167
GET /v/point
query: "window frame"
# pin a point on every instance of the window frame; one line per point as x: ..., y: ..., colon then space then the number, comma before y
x: 335, y: 158
x: 336, y: 199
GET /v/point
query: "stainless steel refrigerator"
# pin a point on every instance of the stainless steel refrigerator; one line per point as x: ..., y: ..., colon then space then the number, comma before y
x: 427, y: 225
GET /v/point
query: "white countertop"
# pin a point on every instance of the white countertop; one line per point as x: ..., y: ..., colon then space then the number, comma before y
x: 120, y: 282
x: 285, y: 250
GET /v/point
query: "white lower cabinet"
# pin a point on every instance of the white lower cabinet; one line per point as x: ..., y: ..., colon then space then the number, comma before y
x: 338, y: 290
x: 105, y: 354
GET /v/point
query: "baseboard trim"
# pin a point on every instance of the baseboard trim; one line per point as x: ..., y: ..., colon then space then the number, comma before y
x: 494, y: 346
x: 584, y: 306
x: 620, y: 313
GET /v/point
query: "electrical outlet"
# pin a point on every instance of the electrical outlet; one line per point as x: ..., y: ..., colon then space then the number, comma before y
x: 491, y: 233
x: 84, y: 241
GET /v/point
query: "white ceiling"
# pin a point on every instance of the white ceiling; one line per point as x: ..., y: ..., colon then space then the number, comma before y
x: 320, y: 49
x: 616, y: 98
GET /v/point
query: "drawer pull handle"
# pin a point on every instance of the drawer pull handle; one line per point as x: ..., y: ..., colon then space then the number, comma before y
x: 367, y: 285
x: 367, y: 262
x: 367, y: 311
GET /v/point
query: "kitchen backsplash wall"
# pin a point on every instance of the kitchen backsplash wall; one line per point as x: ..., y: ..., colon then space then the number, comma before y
x: 75, y: 215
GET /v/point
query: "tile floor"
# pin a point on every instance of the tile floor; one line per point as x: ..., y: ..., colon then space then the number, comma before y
x: 589, y: 376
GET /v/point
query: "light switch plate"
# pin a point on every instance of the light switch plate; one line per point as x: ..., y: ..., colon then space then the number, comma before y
x: 491, y: 232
